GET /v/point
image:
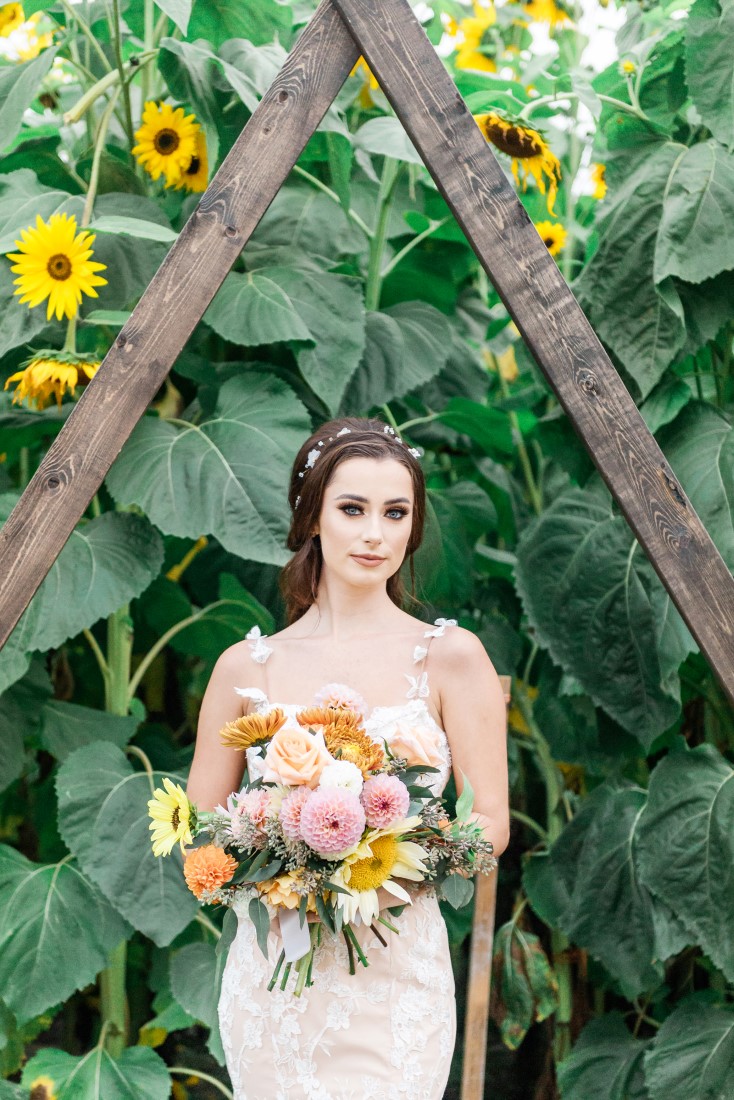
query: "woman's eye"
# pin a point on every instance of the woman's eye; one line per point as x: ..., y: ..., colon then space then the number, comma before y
x: 346, y: 508
x: 355, y: 509
x: 397, y: 513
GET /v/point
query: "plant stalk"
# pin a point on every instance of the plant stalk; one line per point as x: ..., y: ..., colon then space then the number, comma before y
x: 390, y: 174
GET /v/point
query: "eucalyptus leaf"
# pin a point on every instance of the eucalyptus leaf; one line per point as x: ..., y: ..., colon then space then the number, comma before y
x: 222, y: 476
x: 606, y: 1063
x: 457, y: 891
x: 103, y: 818
x: 693, y: 1053
x: 260, y: 917
x: 56, y: 932
x: 686, y: 846
x: 465, y: 801
x: 138, y: 1074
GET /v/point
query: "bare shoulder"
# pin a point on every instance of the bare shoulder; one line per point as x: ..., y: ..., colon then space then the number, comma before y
x: 461, y: 650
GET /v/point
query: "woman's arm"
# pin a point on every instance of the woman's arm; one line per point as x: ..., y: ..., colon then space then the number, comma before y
x: 216, y: 769
x: 475, y: 719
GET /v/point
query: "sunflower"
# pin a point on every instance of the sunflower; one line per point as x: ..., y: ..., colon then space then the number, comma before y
x: 196, y: 176
x: 54, y: 262
x: 207, y: 868
x: 553, y: 235
x: 51, y: 374
x: 11, y: 16
x: 29, y: 42
x: 547, y: 11
x: 42, y: 1088
x: 167, y: 141
x: 471, y: 32
x: 369, y: 86
x: 599, y: 179
x: 171, y: 815
x: 375, y: 860
x: 528, y: 150
x: 252, y: 729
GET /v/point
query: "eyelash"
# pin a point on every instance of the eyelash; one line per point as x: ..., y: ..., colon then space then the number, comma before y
x: 402, y: 511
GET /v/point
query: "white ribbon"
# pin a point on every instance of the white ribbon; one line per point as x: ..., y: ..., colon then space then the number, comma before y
x: 296, y: 938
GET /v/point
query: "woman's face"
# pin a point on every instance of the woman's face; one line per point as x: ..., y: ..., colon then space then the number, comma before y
x: 366, y: 519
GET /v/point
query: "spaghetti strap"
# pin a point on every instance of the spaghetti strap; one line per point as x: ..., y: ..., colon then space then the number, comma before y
x: 419, y: 688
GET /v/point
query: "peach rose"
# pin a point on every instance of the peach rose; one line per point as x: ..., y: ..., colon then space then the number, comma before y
x: 295, y: 757
x: 417, y: 745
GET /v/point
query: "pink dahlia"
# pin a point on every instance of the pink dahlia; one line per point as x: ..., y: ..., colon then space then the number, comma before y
x: 290, y: 811
x: 332, y: 820
x: 339, y: 695
x: 255, y: 804
x: 385, y: 799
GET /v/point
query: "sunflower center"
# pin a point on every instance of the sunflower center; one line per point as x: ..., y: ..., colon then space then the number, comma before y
x: 193, y: 168
x: 175, y: 818
x: 166, y: 142
x: 371, y: 872
x: 513, y: 140
x: 59, y: 267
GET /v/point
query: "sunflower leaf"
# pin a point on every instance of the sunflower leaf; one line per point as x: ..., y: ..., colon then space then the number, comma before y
x: 138, y: 1072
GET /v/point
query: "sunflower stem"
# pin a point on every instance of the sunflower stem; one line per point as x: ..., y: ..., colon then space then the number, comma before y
x: 163, y: 641
x: 73, y: 13
x: 350, y: 950
x: 393, y: 263
x: 117, y: 42
x: 70, y: 340
x: 99, y: 142
x: 149, y: 40
x: 286, y: 974
x: 388, y: 180
x: 276, y: 972
x: 333, y: 195
x: 527, y: 469
x: 349, y: 931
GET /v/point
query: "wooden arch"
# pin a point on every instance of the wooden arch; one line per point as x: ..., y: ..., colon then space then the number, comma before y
x: 499, y: 230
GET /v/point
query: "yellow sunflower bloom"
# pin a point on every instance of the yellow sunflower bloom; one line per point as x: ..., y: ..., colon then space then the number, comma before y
x: 531, y: 156
x: 171, y: 814
x: 166, y: 141
x: 599, y: 179
x: 471, y: 33
x: 51, y: 374
x: 54, y: 262
x: 42, y: 1088
x: 373, y: 863
x: 196, y: 176
x: 553, y: 236
x: 28, y: 42
x: 547, y: 11
x: 11, y: 16
x: 370, y: 84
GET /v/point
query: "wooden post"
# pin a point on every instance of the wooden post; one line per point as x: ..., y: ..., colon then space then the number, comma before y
x: 552, y: 323
x: 479, y: 984
x: 169, y: 310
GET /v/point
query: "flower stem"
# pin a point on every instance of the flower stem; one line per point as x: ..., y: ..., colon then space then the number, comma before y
x: 276, y: 972
x: 353, y: 215
x: 70, y: 340
x: 99, y: 141
x: 390, y: 175
x: 522, y: 451
x: 188, y: 1072
x: 117, y: 42
x: 432, y: 228
x: 72, y: 12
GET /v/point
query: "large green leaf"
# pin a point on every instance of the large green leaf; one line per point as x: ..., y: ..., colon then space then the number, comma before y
x: 138, y: 1074
x: 692, y: 1057
x: 67, y: 726
x: 608, y: 910
x: 56, y: 932
x: 605, y: 1063
x: 709, y: 35
x: 598, y: 617
x: 525, y: 987
x: 386, y: 136
x: 260, y: 21
x: 252, y: 309
x: 103, y: 818
x: 224, y: 476
x: 696, y: 236
x: 20, y: 324
x: 23, y: 198
x: 302, y: 217
x: 640, y: 319
x: 177, y: 10
x: 20, y: 711
x: 19, y: 85
x: 686, y: 846
x: 105, y: 563
x: 249, y: 69
x: 196, y: 980
x: 406, y: 346
x: 131, y: 261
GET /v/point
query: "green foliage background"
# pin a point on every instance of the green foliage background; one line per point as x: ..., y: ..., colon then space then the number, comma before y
x: 614, y: 964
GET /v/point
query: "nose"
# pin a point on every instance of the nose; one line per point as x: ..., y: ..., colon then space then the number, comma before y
x: 372, y: 531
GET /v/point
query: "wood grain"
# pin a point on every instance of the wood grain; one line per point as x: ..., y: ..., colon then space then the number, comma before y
x: 552, y: 323
x: 170, y: 308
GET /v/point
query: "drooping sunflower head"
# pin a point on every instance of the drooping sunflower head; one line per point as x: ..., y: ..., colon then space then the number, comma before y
x: 171, y: 816
x: 370, y: 84
x: 11, y: 16
x: 42, y: 1088
x: 196, y: 176
x: 599, y: 179
x: 166, y: 141
x: 553, y: 236
x: 531, y: 155
x: 352, y: 743
x: 252, y: 729
x: 51, y: 374
x: 54, y: 262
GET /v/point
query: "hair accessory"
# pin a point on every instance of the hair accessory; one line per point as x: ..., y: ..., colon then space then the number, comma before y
x: 314, y: 453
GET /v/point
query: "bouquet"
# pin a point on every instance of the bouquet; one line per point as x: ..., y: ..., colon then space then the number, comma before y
x: 326, y: 817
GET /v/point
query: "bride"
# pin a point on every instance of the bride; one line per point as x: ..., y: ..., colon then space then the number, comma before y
x: 357, y: 496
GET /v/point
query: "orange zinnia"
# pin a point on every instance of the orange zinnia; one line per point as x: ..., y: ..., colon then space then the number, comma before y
x: 252, y: 729
x: 207, y: 868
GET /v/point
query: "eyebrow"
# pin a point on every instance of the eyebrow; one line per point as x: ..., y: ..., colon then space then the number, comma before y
x: 364, y: 500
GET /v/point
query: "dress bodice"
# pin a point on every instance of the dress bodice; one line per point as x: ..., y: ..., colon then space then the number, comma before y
x: 410, y: 723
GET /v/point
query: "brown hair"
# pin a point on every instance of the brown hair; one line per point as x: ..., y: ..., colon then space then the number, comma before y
x: 366, y: 438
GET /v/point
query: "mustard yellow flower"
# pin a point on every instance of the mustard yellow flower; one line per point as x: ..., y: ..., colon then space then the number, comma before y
x: 553, y: 236
x: 166, y: 141
x: 470, y: 34
x: 51, y: 374
x: 11, y: 16
x: 54, y: 262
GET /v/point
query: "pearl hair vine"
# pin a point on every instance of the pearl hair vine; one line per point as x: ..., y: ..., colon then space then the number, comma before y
x: 315, y: 453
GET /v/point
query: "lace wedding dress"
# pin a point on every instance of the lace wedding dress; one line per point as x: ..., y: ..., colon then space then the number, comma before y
x: 386, y: 1032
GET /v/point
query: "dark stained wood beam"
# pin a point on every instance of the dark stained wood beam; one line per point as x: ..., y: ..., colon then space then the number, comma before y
x: 552, y: 323
x: 169, y: 310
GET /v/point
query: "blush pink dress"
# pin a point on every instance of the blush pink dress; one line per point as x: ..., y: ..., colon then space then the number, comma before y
x: 386, y: 1032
